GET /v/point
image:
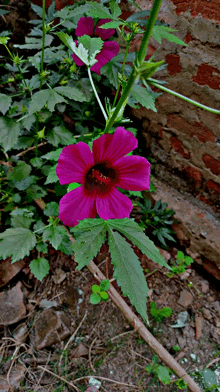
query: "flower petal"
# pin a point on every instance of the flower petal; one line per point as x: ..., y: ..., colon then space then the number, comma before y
x: 73, y: 163
x: 85, y: 26
x: 110, y: 148
x: 104, y: 33
x: 75, y: 206
x: 109, y: 50
x: 115, y: 205
x: 133, y: 172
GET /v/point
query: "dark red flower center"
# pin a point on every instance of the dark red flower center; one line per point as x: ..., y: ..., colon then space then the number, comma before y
x: 100, y: 178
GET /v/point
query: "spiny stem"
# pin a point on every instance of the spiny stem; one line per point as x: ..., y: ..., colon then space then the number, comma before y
x: 96, y: 94
x: 199, y: 105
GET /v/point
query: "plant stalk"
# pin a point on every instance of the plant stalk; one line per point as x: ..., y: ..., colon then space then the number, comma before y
x: 43, y: 41
x: 96, y: 94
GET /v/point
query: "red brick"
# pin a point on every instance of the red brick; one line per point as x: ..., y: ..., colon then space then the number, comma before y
x: 174, y: 66
x: 208, y: 9
x: 188, y: 38
x: 177, y: 146
x: 208, y: 75
x: 198, y: 129
x: 212, y: 186
x: 212, y: 163
x: 194, y: 175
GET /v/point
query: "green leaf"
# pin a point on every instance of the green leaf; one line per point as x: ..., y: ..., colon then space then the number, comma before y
x: 128, y: 271
x: 71, y: 93
x: 9, y: 133
x: 16, y: 198
x: 40, y: 268
x: 90, y: 237
x: 73, y: 186
x: 60, y: 135
x: 41, y: 98
x: 21, y: 221
x: 20, y: 172
x: 105, y: 285
x: 163, y: 374
x: 54, y: 234
x: 95, y: 288
x: 51, y: 209
x: 160, y: 32
x: 144, y: 97
x: 115, y: 9
x: 103, y: 295
x: 36, y: 162
x: 42, y: 247
x: 111, y: 25
x: 130, y: 229
x: 53, y: 155
x: 67, y: 40
x: 35, y: 43
x: 98, y: 10
x: 52, y: 176
x: 95, y: 298
x: 16, y: 243
x: 25, y: 184
x: 35, y: 191
x: 66, y: 247
x: 5, y: 103
x: 93, y: 46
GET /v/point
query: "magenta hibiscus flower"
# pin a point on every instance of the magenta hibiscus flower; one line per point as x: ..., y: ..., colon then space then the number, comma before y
x: 109, y: 50
x: 100, y: 172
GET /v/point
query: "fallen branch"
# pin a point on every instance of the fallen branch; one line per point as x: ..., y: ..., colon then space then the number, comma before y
x: 137, y: 324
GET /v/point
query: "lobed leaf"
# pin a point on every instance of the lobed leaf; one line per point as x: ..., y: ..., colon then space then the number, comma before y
x: 144, y: 97
x: 40, y: 268
x: 98, y: 10
x: 9, y: 133
x: 160, y: 32
x: 54, y: 234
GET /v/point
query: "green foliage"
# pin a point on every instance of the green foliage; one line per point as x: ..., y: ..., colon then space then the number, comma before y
x: 181, y: 263
x: 146, y: 98
x: 160, y: 372
x: 40, y: 268
x: 17, y: 243
x: 158, y: 218
x: 99, y: 292
x: 160, y: 32
x: 159, y: 314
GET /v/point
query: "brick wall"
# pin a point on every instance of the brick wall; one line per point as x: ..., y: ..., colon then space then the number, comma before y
x: 185, y: 140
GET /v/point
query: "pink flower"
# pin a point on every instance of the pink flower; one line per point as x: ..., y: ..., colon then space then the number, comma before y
x: 109, y: 49
x: 100, y: 172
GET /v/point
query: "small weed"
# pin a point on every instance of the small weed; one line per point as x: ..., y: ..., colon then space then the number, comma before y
x: 181, y: 263
x: 99, y: 293
x: 158, y: 218
x: 159, y: 314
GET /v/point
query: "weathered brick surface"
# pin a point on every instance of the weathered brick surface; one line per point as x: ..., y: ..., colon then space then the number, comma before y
x: 183, y: 139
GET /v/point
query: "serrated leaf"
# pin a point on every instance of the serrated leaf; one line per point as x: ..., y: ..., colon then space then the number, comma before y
x: 21, y: 221
x: 71, y: 93
x: 40, y: 268
x: 111, y: 25
x: 25, y: 184
x: 53, y: 155
x: 135, y: 17
x: 9, y: 133
x: 128, y: 272
x: 36, y: 192
x: 67, y: 40
x: 54, y: 234
x: 90, y: 237
x: 52, y: 176
x: 16, y: 243
x: 134, y: 233
x: 54, y: 98
x: 92, y: 45
x: 144, y: 97
x: 85, y: 86
x: 42, y: 247
x: 51, y: 209
x: 5, y: 103
x: 66, y: 247
x: 160, y: 32
x: 115, y: 9
x: 98, y: 10
x: 35, y: 43
x: 20, y: 172
x: 60, y: 135
x: 41, y: 98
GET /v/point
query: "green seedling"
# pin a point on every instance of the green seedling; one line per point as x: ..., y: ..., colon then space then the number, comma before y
x: 99, y: 293
x: 160, y: 372
x: 159, y: 314
x: 180, y: 265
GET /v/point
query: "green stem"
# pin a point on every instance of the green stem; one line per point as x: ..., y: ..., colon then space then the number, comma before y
x: 122, y: 71
x: 148, y: 32
x: 96, y: 94
x: 42, y: 228
x: 199, y: 105
x: 139, y: 59
x: 43, y: 41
